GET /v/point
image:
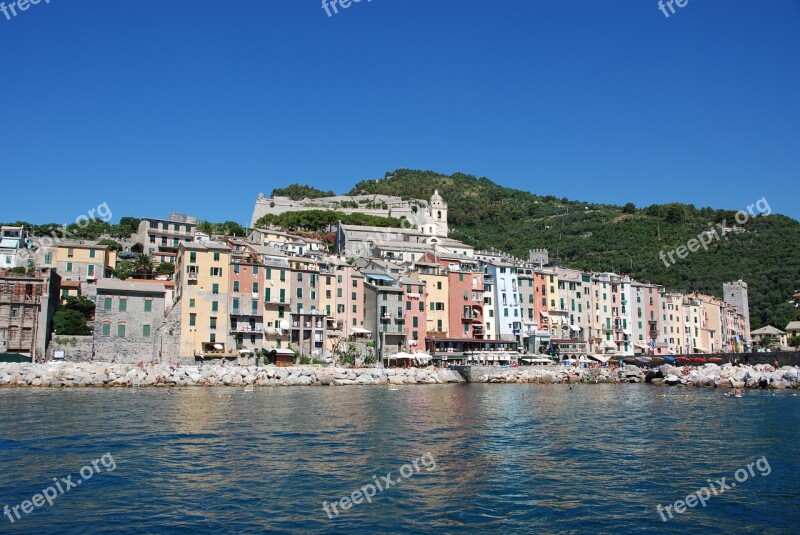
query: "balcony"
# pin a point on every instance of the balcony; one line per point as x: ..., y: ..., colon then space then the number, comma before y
x: 385, y: 317
x: 399, y: 317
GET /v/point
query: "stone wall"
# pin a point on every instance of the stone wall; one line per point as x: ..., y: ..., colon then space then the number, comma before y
x: 75, y: 348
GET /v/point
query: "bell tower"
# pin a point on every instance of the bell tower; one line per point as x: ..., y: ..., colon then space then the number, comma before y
x: 439, y: 213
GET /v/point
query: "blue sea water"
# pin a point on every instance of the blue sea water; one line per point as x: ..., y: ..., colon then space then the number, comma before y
x: 508, y: 458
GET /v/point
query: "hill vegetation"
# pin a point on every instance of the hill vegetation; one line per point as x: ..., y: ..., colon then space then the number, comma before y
x: 623, y: 239
x: 297, y: 192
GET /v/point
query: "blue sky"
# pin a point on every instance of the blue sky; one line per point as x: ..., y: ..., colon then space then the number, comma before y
x: 196, y: 106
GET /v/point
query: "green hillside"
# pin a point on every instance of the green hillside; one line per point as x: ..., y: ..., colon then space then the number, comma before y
x: 622, y: 239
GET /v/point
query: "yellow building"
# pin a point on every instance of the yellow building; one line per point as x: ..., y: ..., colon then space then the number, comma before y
x: 436, y: 283
x: 84, y: 261
x: 201, y: 284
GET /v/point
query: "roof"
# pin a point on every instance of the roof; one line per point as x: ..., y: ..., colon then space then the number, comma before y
x: 793, y: 325
x: 126, y: 286
x: 70, y: 284
x: 9, y: 243
x: 80, y: 244
x: 769, y: 329
x: 409, y: 280
x: 205, y: 246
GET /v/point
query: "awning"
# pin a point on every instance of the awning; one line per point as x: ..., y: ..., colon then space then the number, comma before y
x: 8, y: 243
x: 574, y: 328
x: 608, y: 344
x: 600, y: 358
x: 641, y: 344
x: 359, y: 330
x: 543, y: 313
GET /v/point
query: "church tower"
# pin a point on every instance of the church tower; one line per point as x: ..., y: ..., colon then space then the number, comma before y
x: 439, y: 214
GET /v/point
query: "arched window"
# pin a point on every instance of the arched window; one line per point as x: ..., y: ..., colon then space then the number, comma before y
x: 439, y: 213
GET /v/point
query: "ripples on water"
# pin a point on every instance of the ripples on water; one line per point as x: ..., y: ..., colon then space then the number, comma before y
x: 509, y: 458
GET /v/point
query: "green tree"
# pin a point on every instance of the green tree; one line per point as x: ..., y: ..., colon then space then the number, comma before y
x: 629, y: 208
x: 165, y: 268
x: 70, y: 322
x: 794, y: 341
x: 143, y: 265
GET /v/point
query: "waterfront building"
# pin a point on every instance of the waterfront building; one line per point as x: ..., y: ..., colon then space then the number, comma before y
x: 736, y: 294
x: 506, y: 298
x: 793, y: 329
x: 414, y: 311
x: 128, y: 317
x: 27, y: 306
x: 489, y: 307
x: 202, y: 283
x: 383, y: 312
x: 434, y: 276
x: 465, y: 299
x: 645, y: 311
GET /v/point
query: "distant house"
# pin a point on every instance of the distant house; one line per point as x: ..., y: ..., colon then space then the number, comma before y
x: 793, y: 329
x: 764, y: 334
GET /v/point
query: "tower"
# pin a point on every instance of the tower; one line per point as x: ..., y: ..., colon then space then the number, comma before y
x: 439, y: 213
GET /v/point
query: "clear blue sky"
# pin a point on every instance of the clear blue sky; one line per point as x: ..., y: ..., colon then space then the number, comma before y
x: 196, y: 106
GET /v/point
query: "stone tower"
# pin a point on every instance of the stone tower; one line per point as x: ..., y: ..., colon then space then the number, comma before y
x: 735, y: 294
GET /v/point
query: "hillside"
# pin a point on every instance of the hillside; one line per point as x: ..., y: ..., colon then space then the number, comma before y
x: 616, y: 238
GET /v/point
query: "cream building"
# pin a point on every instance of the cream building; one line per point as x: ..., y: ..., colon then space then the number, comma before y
x: 202, y: 280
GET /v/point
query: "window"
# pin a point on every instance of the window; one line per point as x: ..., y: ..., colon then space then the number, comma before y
x: 70, y: 252
x: 355, y: 309
x: 283, y: 275
x: 236, y: 268
x: 90, y: 270
x: 408, y: 305
x: 192, y: 320
x: 255, y: 287
x: 91, y: 253
x: 299, y: 276
x: 216, y: 257
x: 123, y: 304
x: 355, y: 283
x: 299, y: 293
x: 415, y: 322
x: 107, y: 303
x: 281, y: 311
x: 235, y: 305
x: 235, y: 286
x: 106, y: 329
x: 267, y: 295
x: 214, y: 306
x: 268, y: 273
x: 216, y: 272
x: 432, y: 305
x: 69, y: 267
x: 212, y: 322
x: 254, y: 306
x: 121, y: 330
x: 146, y: 331
x: 421, y: 306
x: 215, y: 289
x: 283, y: 295
x: 48, y: 258
x: 148, y: 305
x: 255, y: 270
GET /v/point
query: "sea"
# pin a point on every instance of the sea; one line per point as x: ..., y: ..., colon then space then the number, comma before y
x: 474, y: 458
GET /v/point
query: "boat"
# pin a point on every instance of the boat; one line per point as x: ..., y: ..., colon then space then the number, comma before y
x: 697, y: 360
x: 715, y: 360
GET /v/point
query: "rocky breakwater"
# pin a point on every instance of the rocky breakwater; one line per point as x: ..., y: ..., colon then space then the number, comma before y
x: 555, y: 375
x: 728, y: 376
x: 98, y: 374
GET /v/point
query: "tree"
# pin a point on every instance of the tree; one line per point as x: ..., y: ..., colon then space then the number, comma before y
x: 143, y: 264
x: 70, y: 322
x: 794, y: 341
x: 124, y: 270
x: 165, y: 268
x: 629, y: 208
x: 81, y: 305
